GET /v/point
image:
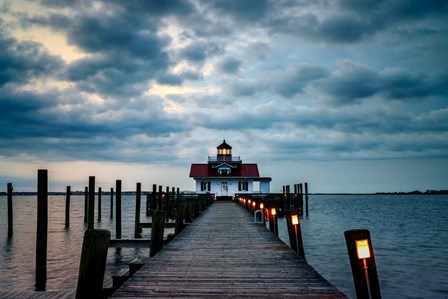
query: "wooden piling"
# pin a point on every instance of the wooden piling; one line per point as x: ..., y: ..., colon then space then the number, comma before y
x: 93, y: 263
x: 148, y: 205
x: 42, y: 229
x: 111, y: 202
x: 306, y: 199
x: 91, y: 205
x: 364, y: 271
x: 178, y: 196
x: 154, y: 197
x: 99, y: 204
x: 67, y: 207
x: 10, y: 210
x: 138, y: 194
x: 159, y: 198
x: 291, y: 233
x: 273, y: 222
x: 118, y: 210
x: 157, y: 230
x: 86, y: 201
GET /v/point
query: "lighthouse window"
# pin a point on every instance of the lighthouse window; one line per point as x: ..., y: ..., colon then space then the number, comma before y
x: 243, y: 186
x: 205, y: 186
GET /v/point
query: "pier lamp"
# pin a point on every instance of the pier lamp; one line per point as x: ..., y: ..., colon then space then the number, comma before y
x: 363, y: 251
x: 261, y: 206
x: 273, y: 212
x: 295, y: 221
x: 250, y: 201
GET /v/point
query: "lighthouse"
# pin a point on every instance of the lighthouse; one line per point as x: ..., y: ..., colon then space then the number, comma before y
x: 225, y: 174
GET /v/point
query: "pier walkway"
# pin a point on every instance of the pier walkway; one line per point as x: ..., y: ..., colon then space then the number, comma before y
x: 224, y: 254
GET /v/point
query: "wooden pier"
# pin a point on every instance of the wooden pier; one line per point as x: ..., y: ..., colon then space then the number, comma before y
x: 224, y: 254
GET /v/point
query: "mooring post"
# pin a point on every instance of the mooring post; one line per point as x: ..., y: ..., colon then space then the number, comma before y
x: 179, y: 219
x: 93, y: 263
x: 138, y: 194
x: 157, y: 230
x: 154, y: 197
x: 301, y: 199
x: 111, y: 202
x: 295, y: 220
x: 42, y: 229
x: 178, y: 196
x: 91, y: 205
x: 291, y: 232
x: 167, y: 202
x: 118, y: 210
x: 273, y: 221
x: 362, y: 261
x: 160, y: 207
x: 10, y: 214
x: 86, y: 202
x: 67, y: 207
x: 306, y: 199
x: 99, y: 204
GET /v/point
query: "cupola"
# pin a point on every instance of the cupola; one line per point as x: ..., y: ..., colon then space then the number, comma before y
x: 224, y: 152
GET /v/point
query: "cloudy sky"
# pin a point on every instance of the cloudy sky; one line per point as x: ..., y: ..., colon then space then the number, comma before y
x: 348, y: 95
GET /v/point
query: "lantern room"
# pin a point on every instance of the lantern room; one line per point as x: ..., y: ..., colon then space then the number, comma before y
x: 224, y: 152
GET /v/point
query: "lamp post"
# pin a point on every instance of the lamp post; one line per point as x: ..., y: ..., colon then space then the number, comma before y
x: 362, y: 262
x: 295, y: 222
x: 363, y: 251
x: 274, y: 215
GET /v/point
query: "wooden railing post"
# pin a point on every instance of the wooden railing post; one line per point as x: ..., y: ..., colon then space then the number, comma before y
x: 364, y: 271
x: 154, y: 198
x: 93, y: 263
x: 118, y: 210
x: 86, y: 202
x: 67, y: 207
x: 157, y: 230
x: 306, y: 199
x: 91, y: 205
x: 138, y: 195
x: 99, y: 204
x: 111, y: 202
x: 42, y: 229
x: 10, y: 210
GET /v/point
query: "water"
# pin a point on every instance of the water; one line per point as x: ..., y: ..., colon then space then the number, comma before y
x: 409, y: 236
x: 17, y: 260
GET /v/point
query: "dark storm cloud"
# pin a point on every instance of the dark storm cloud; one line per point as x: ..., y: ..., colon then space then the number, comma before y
x: 229, y: 65
x: 199, y: 51
x: 247, y: 11
x: 22, y: 61
x: 351, y: 82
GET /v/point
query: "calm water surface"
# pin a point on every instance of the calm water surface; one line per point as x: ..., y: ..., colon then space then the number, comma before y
x: 409, y: 236
x: 17, y: 258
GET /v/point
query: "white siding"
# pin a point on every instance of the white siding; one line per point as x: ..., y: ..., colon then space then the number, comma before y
x: 217, y: 186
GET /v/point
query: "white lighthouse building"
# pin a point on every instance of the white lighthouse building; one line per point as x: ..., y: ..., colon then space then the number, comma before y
x: 224, y: 175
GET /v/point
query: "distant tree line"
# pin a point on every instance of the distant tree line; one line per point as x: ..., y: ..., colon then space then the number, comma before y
x: 417, y: 192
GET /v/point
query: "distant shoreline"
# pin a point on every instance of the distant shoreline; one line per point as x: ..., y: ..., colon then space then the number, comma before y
x: 427, y: 192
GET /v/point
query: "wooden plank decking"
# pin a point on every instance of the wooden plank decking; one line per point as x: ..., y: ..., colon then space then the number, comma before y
x: 223, y: 254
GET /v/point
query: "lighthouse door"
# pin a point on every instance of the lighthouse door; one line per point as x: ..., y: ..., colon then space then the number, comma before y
x: 224, y: 189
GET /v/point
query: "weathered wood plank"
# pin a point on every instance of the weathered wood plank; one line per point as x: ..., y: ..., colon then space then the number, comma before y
x: 223, y: 254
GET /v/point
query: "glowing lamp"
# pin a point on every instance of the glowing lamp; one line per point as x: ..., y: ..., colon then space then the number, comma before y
x: 273, y: 212
x: 261, y: 206
x: 295, y: 219
x: 362, y: 248
x: 249, y: 201
x: 254, y: 204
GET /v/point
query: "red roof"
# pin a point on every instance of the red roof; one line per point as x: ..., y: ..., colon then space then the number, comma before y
x: 203, y: 170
